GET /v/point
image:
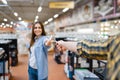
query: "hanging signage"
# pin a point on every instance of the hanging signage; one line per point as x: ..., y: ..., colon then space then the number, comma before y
x: 68, y: 4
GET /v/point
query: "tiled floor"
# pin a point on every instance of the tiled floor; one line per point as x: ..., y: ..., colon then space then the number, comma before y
x: 56, y: 71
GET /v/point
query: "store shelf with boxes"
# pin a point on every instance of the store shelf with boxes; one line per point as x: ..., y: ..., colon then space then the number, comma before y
x: 4, y: 65
x: 100, y: 54
x: 12, y: 49
x: 8, y: 43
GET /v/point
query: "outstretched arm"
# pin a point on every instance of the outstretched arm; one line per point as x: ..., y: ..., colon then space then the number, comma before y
x: 70, y: 45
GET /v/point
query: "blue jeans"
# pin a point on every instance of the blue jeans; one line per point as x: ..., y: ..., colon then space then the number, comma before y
x: 33, y: 74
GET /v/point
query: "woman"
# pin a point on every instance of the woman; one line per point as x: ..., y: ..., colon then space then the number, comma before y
x: 38, y: 59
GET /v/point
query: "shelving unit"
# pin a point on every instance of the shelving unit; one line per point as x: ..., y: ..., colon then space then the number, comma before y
x: 13, y: 47
x: 105, y: 52
x: 5, y: 59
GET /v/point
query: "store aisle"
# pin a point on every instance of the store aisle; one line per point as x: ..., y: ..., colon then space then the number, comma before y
x: 19, y: 72
x: 56, y: 71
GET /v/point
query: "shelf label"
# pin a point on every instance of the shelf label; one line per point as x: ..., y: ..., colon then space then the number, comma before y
x: 68, y: 4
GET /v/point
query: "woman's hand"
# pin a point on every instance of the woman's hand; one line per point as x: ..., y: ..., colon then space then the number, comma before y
x: 49, y: 41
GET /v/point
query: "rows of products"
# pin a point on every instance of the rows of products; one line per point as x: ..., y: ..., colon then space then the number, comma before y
x: 96, y: 60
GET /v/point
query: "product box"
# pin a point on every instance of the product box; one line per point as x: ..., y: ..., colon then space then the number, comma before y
x: 84, y: 74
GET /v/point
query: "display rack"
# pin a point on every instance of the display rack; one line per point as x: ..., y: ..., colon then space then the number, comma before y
x: 5, y: 59
x: 13, y: 47
x: 108, y: 51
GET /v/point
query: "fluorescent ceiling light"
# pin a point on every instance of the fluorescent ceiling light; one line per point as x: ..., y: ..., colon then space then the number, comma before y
x: 10, y: 26
x: 36, y: 17
x: 115, y: 21
x: 65, y: 9
x: 16, y: 14
x: 7, y: 25
x: 3, y: 24
x: 35, y: 20
x: 56, y: 15
x: 112, y: 26
x: 86, y: 30
x: 11, y: 22
x: 4, y: 1
x: 46, y: 22
x: 106, y: 29
x: 20, y: 18
x: 49, y: 20
x: 39, y: 9
x: 102, y: 29
x: 116, y: 27
x: 5, y: 20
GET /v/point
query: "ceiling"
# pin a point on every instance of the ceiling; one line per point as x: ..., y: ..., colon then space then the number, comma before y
x: 27, y: 10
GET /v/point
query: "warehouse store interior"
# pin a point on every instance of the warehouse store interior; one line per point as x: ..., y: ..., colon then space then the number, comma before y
x: 93, y: 24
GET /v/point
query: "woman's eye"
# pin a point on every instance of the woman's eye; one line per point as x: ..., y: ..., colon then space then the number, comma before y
x: 37, y: 28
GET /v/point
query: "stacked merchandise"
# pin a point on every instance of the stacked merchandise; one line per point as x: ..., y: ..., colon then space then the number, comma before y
x: 3, y: 65
x: 94, y: 49
x: 114, y: 60
x: 84, y: 74
x: 106, y: 50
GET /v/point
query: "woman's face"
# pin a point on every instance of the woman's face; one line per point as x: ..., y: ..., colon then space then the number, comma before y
x: 37, y: 29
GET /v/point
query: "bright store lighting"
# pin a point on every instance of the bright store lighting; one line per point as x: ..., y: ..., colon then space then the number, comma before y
x: 10, y: 26
x: 98, y: 33
x: 116, y: 27
x: 4, y: 1
x: 107, y: 24
x: 35, y: 20
x: 105, y: 32
x: 46, y: 22
x: 56, y: 15
x: 102, y: 33
x: 86, y: 30
x: 102, y: 25
x: 112, y: 27
x: 5, y: 20
x: 49, y: 20
x: 11, y: 22
x: 19, y: 18
x: 36, y: 17
x: 16, y: 14
x: 7, y: 25
x: 102, y: 29
x: 106, y: 29
x: 65, y: 10
x: 115, y: 21
x: 3, y: 24
x: 39, y: 9
x: 119, y: 21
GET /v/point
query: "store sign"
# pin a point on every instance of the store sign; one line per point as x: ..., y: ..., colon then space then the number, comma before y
x: 68, y: 4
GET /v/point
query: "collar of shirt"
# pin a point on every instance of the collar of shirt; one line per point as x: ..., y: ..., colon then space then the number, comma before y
x: 37, y: 37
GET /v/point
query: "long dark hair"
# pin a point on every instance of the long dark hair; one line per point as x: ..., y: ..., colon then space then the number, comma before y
x: 33, y: 34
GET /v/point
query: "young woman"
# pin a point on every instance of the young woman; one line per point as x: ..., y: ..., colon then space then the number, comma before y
x: 38, y: 59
